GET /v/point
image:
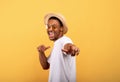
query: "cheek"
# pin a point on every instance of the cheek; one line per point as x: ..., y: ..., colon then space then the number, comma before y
x: 57, y: 31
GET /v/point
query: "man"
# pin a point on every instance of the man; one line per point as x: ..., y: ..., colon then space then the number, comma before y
x: 61, y: 60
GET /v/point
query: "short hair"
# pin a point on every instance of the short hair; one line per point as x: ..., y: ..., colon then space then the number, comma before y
x: 56, y: 19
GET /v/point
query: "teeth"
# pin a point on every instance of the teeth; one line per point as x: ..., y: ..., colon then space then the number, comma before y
x: 50, y: 33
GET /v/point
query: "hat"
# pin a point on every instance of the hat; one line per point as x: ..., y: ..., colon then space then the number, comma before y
x: 60, y: 17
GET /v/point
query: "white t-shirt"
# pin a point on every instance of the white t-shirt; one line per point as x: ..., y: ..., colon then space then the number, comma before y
x: 62, y: 66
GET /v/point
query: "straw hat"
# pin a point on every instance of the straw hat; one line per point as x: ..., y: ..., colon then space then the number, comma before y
x: 60, y: 17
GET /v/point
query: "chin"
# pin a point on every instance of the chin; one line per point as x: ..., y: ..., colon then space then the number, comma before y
x: 51, y: 39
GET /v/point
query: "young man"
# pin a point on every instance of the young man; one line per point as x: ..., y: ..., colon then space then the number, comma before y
x: 61, y: 61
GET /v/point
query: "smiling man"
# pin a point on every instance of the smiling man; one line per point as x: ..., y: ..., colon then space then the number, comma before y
x: 61, y: 61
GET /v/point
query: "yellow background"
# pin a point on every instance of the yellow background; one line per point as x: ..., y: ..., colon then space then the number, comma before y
x: 94, y: 26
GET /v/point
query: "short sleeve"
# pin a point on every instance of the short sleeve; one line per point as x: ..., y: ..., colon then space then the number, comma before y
x: 66, y: 40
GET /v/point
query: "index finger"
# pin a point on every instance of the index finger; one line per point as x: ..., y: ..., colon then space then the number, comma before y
x: 64, y: 50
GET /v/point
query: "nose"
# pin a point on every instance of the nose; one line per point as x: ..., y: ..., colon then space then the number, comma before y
x: 50, y: 28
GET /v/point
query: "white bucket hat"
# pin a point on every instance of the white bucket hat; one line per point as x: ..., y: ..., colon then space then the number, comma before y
x: 60, y: 17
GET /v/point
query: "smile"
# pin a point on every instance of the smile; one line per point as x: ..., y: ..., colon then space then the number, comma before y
x: 51, y: 34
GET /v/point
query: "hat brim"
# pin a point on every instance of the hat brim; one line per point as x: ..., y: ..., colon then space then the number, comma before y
x: 60, y: 17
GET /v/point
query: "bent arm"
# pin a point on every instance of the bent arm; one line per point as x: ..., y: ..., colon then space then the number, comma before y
x: 43, y: 61
x: 42, y: 58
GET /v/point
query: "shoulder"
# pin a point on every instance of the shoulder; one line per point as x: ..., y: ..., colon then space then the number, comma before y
x: 66, y: 40
x: 63, y: 40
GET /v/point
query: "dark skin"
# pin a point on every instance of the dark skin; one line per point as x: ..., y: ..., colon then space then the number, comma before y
x: 55, y: 31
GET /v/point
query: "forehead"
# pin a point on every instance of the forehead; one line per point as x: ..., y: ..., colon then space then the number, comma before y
x: 53, y: 21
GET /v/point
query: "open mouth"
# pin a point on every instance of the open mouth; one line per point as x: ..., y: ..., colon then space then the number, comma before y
x: 51, y: 35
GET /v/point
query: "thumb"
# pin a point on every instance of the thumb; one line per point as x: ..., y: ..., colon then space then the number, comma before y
x: 65, y: 50
x: 47, y: 47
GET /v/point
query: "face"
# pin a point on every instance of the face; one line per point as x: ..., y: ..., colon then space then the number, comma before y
x: 54, y: 29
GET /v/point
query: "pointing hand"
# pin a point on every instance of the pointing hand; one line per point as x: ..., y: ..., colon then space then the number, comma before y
x: 42, y: 48
x: 71, y: 49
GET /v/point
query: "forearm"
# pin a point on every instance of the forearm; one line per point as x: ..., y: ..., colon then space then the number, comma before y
x: 43, y: 61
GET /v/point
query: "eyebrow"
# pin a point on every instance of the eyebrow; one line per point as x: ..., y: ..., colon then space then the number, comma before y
x: 51, y: 24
